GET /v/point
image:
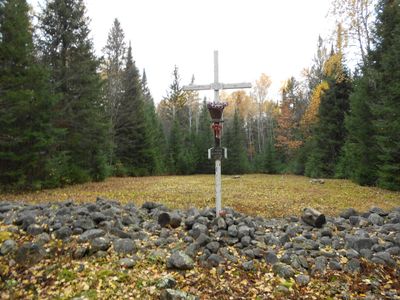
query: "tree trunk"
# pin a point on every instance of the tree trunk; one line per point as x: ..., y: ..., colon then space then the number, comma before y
x: 313, y: 217
x: 171, y: 219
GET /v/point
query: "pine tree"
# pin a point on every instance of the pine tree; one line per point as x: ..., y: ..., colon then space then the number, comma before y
x: 237, y: 162
x: 386, y: 109
x: 156, y: 135
x: 113, y: 70
x: 68, y: 50
x: 359, y: 161
x: 132, y: 139
x: 329, y: 132
x: 204, y: 141
x: 26, y: 103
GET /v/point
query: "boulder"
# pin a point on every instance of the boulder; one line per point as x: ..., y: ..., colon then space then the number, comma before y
x: 180, y: 260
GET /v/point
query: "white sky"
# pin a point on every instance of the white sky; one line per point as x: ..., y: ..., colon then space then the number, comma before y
x: 276, y: 37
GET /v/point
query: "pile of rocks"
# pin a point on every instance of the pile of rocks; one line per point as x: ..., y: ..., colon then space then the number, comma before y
x: 290, y: 245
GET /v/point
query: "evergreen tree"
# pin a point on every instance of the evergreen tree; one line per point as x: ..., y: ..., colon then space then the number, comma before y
x: 270, y: 162
x: 386, y: 109
x: 68, y: 50
x: 204, y: 141
x: 359, y: 161
x: 27, y: 136
x: 156, y: 135
x: 113, y: 70
x: 175, y: 148
x: 237, y: 162
x: 133, y: 148
x: 329, y: 132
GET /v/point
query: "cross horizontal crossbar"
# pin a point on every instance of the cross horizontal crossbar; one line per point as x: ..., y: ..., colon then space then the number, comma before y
x: 217, y: 87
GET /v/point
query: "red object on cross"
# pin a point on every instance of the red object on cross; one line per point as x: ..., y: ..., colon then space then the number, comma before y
x: 217, y: 127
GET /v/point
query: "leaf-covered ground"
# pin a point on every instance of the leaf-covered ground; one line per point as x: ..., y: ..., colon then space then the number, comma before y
x: 265, y: 195
x: 62, y: 277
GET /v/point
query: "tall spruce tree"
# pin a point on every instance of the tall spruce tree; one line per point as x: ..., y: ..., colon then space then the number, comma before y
x: 113, y: 69
x: 68, y: 50
x: 386, y: 109
x: 26, y: 103
x: 359, y: 159
x: 329, y: 132
x: 156, y: 134
x: 133, y: 148
x: 237, y: 162
x: 204, y: 140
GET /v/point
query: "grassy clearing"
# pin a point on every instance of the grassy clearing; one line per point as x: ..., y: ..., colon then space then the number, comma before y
x: 258, y: 194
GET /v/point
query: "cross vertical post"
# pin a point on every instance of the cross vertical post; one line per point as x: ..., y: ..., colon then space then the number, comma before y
x: 216, y: 90
x: 216, y: 111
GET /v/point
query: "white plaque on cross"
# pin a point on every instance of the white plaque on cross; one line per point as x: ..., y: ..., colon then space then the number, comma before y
x: 217, y: 86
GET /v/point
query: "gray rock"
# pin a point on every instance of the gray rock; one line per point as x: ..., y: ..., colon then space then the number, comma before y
x: 376, y: 219
x: 181, y: 261
x: 225, y: 253
x: 299, y: 262
x: 393, y: 250
x: 284, y: 238
x: 127, y: 262
x: 101, y: 254
x: 192, y: 249
x: 84, y: 223
x: 367, y: 253
x: 353, y: 265
x: 391, y: 227
x: 119, y: 233
x: 346, y: 214
x: 221, y: 223
x: 42, y: 239
x: 354, y: 220
x: 169, y: 294
x: 198, y: 229
x: 378, y: 211
x: 283, y: 270
x: 150, y: 205
x: 100, y: 244
x: 125, y: 246
x: 359, y: 243
x: 98, y: 217
x: 213, y: 247
x: 335, y: 265
x: 27, y: 219
x: 166, y: 282
x: 233, y: 231
x: 302, y: 280
x: 29, y: 254
x: 214, y: 260
x: 7, y: 207
x: 203, y: 240
x: 351, y: 253
x: 63, y: 233
x: 157, y: 255
x: 90, y: 235
x: 325, y: 241
x: 385, y: 257
x: 245, y: 241
x: 326, y: 232
x: 270, y: 257
x: 248, y: 265
x: 80, y: 252
x: 320, y: 264
x: 8, y: 246
x: 34, y: 229
x: 243, y: 231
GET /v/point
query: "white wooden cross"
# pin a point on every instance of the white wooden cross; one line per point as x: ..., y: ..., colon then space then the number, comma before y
x: 217, y: 86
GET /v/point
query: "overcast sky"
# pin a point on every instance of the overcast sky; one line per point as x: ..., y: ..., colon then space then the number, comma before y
x: 278, y: 38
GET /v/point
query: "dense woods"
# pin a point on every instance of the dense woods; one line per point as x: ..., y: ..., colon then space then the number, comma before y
x: 68, y: 116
